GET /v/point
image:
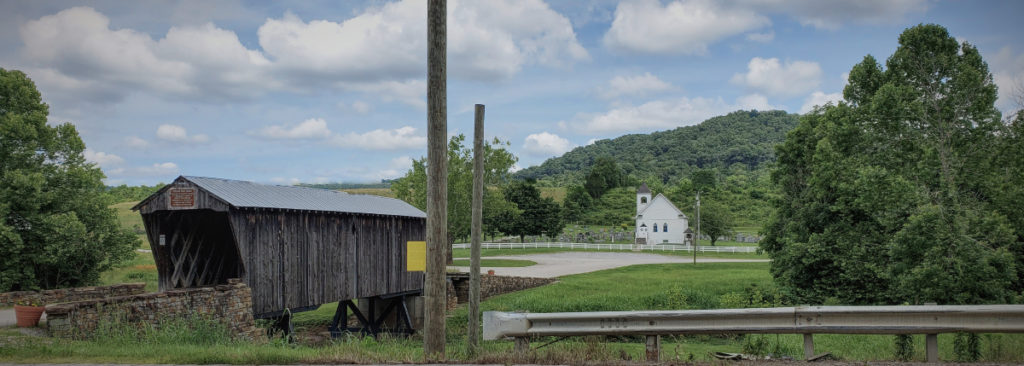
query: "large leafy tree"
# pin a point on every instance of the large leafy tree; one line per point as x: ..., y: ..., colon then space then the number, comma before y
x: 498, y: 162
x: 898, y: 193
x: 604, y: 175
x: 56, y: 229
x: 715, y: 221
x: 537, y: 215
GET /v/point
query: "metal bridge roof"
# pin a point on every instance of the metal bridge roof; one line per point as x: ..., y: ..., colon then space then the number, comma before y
x: 254, y: 195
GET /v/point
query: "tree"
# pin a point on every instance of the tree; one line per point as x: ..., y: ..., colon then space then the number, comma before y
x: 715, y: 221
x: 604, y: 175
x: 577, y: 202
x: 897, y: 194
x: 498, y: 162
x: 56, y: 229
x: 538, y: 215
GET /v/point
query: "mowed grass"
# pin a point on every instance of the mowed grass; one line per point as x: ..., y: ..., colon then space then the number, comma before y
x: 140, y: 269
x: 555, y: 193
x: 495, y: 263
x: 131, y: 220
x: 464, y: 253
x: 643, y: 287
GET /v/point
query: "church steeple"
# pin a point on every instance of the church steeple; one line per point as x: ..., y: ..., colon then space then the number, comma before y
x: 643, y: 197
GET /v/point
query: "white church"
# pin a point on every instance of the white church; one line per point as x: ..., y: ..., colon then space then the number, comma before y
x: 658, y: 221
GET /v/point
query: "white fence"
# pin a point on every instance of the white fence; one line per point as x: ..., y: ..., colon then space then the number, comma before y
x: 807, y: 320
x: 633, y: 247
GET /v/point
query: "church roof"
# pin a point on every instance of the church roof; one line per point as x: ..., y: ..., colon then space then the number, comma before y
x: 661, y: 196
x: 643, y: 189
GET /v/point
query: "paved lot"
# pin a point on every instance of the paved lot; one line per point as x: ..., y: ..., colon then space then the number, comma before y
x: 551, y: 265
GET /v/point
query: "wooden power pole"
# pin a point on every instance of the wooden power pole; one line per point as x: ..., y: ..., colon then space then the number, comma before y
x: 477, y: 230
x: 696, y: 237
x: 437, y: 181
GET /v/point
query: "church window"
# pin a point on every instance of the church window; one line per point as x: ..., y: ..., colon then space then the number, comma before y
x: 664, y: 227
x: 643, y: 199
x: 655, y: 227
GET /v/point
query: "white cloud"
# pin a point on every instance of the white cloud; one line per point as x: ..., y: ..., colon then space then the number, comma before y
x: 486, y: 40
x: 360, y: 107
x: 411, y: 92
x: 136, y: 142
x: 546, y: 144
x: 102, y: 158
x: 285, y: 181
x: 396, y: 168
x: 664, y: 114
x: 381, y: 139
x: 638, y: 85
x: 157, y: 170
x: 1008, y: 73
x: 683, y: 26
x: 820, y: 98
x: 175, y: 133
x: 776, y: 79
x: 832, y: 14
x: 77, y: 54
x: 761, y: 37
x: 313, y: 128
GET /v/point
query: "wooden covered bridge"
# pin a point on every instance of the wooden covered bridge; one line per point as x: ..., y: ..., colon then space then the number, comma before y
x: 296, y: 247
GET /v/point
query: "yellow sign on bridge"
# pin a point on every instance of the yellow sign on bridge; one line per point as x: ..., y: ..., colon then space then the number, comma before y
x: 416, y: 256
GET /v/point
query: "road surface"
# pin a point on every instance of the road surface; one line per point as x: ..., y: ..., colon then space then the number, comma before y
x: 550, y: 265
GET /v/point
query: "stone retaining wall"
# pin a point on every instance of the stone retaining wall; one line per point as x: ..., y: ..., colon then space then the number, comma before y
x: 63, y: 295
x: 229, y: 304
x: 491, y: 285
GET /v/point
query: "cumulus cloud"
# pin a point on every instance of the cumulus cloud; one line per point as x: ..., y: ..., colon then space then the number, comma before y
x: 157, y: 170
x: 381, y: 139
x: 546, y: 144
x: 313, y: 128
x: 833, y: 14
x: 136, y: 142
x: 77, y: 51
x: 175, y: 133
x: 683, y: 26
x: 773, y: 78
x: 637, y: 85
x: 102, y: 158
x: 1008, y: 74
x: 664, y: 114
x: 820, y: 98
x: 761, y: 37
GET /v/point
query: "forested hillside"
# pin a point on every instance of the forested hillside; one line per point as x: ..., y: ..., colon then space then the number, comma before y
x: 747, y: 138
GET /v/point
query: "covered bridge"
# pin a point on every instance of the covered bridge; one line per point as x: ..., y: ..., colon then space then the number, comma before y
x: 296, y: 247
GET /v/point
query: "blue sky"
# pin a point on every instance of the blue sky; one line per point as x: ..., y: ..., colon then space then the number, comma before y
x: 327, y: 91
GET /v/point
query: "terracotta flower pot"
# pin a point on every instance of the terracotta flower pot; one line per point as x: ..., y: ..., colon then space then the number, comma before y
x: 28, y: 316
x: 490, y: 272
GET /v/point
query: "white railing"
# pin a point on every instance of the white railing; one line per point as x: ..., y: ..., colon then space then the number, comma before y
x: 807, y: 320
x: 634, y: 247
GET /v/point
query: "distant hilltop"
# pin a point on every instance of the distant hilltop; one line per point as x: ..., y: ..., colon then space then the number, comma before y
x: 747, y: 138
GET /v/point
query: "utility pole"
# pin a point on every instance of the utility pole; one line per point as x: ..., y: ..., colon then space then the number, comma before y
x: 697, y: 237
x: 477, y: 230
x: 437, y: 181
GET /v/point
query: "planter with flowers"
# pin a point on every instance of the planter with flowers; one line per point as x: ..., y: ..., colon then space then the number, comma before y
x: 28, y: 311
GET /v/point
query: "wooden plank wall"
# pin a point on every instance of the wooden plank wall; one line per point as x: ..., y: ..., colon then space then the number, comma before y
x: 203, y: 200
x: 296, y: 259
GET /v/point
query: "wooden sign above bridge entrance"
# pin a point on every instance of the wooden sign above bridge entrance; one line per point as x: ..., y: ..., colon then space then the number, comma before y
x: 181, y: 198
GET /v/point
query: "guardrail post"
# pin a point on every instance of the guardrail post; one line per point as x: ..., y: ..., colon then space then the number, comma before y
x: 654, y: 348
x: 931, y: 346
x: 522, y: 346
x: 808, y: 346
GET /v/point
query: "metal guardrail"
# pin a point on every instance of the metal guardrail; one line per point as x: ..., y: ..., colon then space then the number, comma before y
x: 634, y: 247
x: 807, y: 320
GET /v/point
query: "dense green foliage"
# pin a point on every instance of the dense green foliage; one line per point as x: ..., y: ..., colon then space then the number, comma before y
x: 605, y: 174
x: 746, y: 138
x: 715, y: 221
x: 908, y: 190
x: 126, y: 193
x: 537, y: 215
x: 412, y: 187
x: 56, y: 229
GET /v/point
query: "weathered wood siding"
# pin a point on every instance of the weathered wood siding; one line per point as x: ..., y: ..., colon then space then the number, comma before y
x: 202, y: 199
x: 297, y: 259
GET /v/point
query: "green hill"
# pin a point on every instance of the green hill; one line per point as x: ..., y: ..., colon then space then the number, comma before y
x: 746, y: 138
